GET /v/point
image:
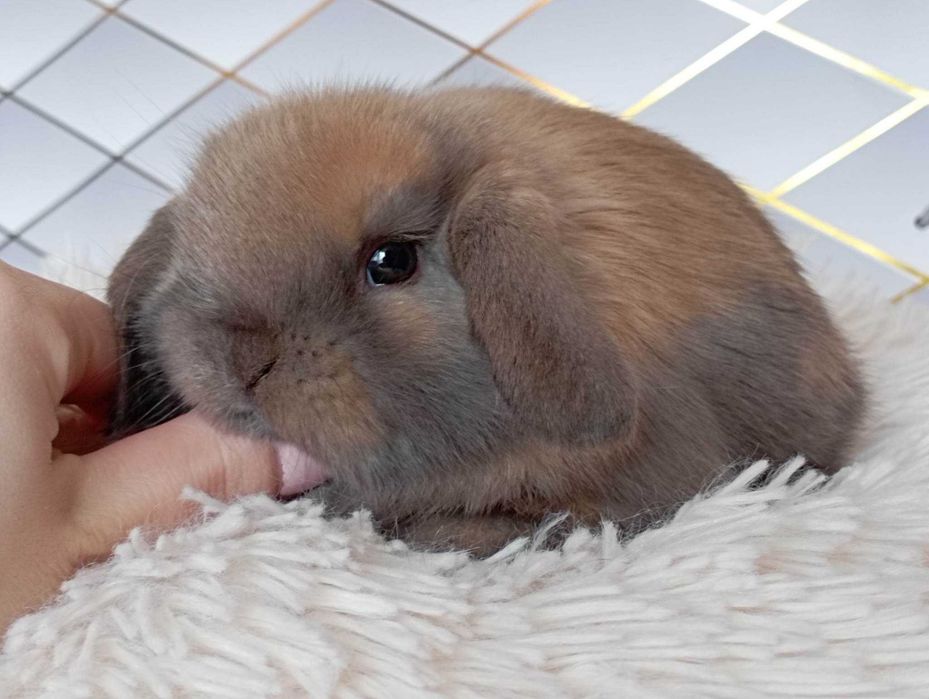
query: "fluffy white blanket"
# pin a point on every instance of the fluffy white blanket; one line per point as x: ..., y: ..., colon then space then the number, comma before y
x: 803, y: 588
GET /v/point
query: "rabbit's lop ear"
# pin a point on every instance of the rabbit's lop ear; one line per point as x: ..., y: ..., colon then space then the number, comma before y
x: 554, y: 363
x: 141, y: 266
x: 141, y: 399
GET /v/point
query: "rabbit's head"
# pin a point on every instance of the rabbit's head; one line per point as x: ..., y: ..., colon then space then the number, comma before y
x: 361, y: 276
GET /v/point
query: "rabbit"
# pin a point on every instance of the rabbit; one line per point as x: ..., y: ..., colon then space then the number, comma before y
x: 466, y: 309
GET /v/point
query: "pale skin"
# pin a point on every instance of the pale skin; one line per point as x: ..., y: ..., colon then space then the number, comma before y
x: 66, y: 498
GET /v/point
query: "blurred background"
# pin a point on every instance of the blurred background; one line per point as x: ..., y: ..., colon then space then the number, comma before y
x: 819, y: 108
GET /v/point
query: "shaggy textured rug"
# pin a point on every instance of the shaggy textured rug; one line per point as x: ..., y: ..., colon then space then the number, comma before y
x: 801, y: 588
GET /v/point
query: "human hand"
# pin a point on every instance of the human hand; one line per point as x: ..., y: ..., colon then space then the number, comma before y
x: 65, y: 498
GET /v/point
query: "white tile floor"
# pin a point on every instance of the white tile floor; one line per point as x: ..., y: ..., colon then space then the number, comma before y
x: 609, y: 53
x: 770, y: 108
x: 820, y: 109
x: 350, y: 40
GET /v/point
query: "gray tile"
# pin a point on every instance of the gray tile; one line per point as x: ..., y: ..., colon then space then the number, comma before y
x: 877, y: 192
x: 94, y: 228
x: 31, y: 32
x: 116, y: 84
x: 478, y: 71
x: 39, y: 163
x: 769, y: 109
x: 892, y: 35
x: 826, y: 260
x: 610, y: 53
x: 351, y: 41
x: 22, y: 257
x: 167, y: 153
x: 471, y: 21
x: 223, y: 32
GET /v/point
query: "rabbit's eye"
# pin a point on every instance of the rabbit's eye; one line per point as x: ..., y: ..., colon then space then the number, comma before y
x: 391, y: 263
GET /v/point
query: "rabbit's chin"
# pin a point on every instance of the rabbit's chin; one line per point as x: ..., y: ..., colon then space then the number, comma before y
x: 299, y: 471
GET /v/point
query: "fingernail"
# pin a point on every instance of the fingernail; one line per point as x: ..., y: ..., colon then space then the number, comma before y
x: 299, y: 471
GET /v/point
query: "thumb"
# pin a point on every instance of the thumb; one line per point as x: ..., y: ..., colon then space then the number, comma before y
x: 138, y: 480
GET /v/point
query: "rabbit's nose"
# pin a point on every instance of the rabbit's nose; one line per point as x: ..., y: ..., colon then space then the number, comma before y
x: 262, y: 371
x: 254, y: 355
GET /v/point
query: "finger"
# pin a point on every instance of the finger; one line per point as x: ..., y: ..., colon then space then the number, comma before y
x: 138, y: 480
x: 91, y: 369
x: 65, y: 332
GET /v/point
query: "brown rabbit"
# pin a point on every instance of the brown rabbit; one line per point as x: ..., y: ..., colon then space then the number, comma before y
x: 469, y: 308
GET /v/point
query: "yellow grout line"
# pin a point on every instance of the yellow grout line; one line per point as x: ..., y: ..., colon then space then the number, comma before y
x: 915, y: 289
x: 845, y: 60
x: 282, y: 34
x: 693, y: 70
x: 231, y: 73
x: 557, y: 92
x: 849, y: 147
x: 818, y: 47
x: 477, y: 50
x: 221, y: 72
x: 766, y: 199
x: 716, y: 54
x: 769, y: 22
x: 509, y: 26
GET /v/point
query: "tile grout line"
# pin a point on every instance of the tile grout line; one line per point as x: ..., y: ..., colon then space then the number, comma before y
x: 817, y: 47
x: 231, y: 73
x: 713, y: 56
x: 853, y: 144
x: 114, y: 158
x: 68, y: 45
x: 909, y: 291
x: 556, y: 92
x: 451, y: 38
x: 844, y: 59
x: 12, y: 240
x: 63, y: 125
x: 205, y: 62
x: 833, y: 231
x: 64, y: 199
x: 473, y: 51
x: 301, y: 21
x: 825, y: 51
x: 121, y: 156
x: 512, y: 23
x: 222, y: 73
